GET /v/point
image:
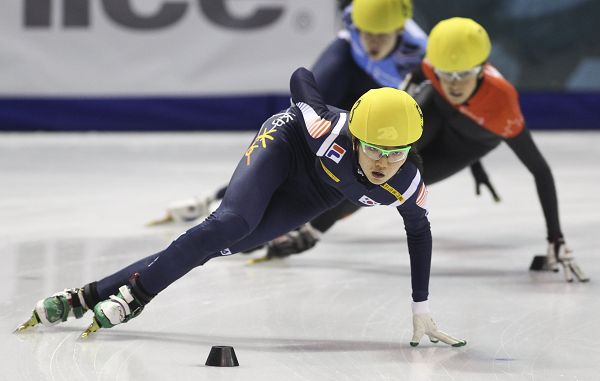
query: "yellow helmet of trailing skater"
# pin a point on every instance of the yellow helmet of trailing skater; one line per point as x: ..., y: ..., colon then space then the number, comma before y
x: 457, y: 44
x: 386, y: 117
x: 381, y: 16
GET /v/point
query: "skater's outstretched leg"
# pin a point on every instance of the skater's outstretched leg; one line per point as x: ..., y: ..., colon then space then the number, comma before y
x: 268, y: 196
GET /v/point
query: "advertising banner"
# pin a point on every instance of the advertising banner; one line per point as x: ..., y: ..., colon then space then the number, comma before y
x: 158, y: 47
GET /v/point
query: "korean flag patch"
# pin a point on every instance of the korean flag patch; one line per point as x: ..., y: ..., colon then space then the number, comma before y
x: 335, y: 153
x: 368, y: 201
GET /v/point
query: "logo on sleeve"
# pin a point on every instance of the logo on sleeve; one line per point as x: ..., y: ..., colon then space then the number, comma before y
x: 315, y: 125
x: 368, y: 201
x: 335, y: 153
x: 226, y: 252
x: 422, y: 197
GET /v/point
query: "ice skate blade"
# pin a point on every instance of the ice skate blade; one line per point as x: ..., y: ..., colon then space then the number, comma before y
x: 254, y: 261
x: 91, y: 329
x: 162, y: 221
x: 585, y: 279
x: 33, y: 321
x: 579, y: 274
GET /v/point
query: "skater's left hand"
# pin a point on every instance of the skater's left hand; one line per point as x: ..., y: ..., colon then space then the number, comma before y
x: 423, y: 324
x: 481, y: 178
x: 559, y: 253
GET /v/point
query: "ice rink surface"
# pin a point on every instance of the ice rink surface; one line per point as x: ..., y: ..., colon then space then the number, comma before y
x: 73, y: 208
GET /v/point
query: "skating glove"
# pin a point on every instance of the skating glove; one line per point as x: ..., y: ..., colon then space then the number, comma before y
x: 423, y: 324
x: 559, y: 253
x: 481, y: 178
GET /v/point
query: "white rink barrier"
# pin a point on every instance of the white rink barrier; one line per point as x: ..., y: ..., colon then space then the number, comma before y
x: 115, y: 48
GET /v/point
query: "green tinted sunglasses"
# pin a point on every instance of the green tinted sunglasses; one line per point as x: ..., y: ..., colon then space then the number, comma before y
x: 376, y: 153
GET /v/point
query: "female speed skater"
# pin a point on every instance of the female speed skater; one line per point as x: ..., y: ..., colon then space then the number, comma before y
x: 303, y: 161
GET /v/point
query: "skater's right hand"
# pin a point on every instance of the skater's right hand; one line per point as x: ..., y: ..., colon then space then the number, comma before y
x: 423, y: 324
x: 559, y: 253
x: 481, y: 178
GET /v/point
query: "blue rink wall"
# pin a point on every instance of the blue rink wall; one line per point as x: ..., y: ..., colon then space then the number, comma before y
x: 542, y: 110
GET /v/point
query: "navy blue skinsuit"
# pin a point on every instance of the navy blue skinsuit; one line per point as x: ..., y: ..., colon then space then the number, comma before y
x: 344, y: 73
x: 300, y: 164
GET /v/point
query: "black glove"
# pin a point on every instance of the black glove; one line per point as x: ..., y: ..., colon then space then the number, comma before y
x: 481, y: 178
x: 294, y: 242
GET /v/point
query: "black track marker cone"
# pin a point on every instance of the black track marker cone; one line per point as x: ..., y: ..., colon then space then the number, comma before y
x: 222, y: 356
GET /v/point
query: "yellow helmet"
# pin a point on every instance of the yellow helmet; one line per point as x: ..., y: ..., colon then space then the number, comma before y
x: 381, y: 16
x: 386, y: 117
x: 457, y: 44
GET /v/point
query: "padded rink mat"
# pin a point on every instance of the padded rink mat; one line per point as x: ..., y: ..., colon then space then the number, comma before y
x: 73, y: 208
